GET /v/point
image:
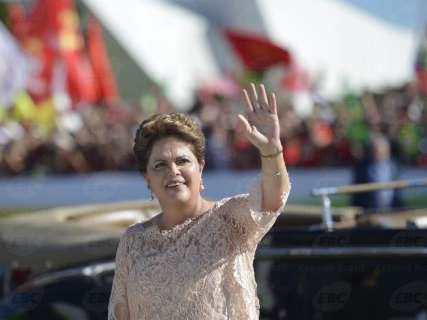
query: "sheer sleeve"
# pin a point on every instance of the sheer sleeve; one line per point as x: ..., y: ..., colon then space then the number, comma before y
x: 248, y: 221
x: 118, y: 305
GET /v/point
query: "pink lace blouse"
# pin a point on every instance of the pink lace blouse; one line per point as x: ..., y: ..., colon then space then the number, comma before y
x: 200, y: 269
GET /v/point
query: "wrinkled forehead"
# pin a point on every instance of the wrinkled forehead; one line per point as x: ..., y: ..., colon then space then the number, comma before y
x: 171, y: 147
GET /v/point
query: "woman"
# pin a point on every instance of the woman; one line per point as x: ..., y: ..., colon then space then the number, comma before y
x: 195, y: 259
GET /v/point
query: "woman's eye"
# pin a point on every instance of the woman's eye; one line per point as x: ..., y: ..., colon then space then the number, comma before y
x: 159, y: 165
x: 182, y: 161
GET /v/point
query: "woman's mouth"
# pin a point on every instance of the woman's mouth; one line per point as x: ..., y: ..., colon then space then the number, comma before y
x: 174, y: 184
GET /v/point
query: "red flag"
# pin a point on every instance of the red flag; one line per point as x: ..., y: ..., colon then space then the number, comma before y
x: 64, y: 22
x: 52, y: 33
x: 30, y: 31
x: 257, y: 53
x: 80, y: 78
x: 55, y: 35
x: 18, y: 21
x: 37, y: 45
x: 107, y: 87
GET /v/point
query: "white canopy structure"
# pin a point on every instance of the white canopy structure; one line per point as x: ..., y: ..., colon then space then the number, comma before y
x: 347, y: 46
x: 165, y: 40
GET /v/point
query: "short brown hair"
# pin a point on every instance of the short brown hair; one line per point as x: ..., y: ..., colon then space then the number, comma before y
x: 165, y: 125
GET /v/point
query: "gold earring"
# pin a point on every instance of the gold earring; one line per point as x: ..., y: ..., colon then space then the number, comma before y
x: 202, y: 187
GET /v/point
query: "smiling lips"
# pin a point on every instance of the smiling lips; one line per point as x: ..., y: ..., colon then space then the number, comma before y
x: 174, y: 184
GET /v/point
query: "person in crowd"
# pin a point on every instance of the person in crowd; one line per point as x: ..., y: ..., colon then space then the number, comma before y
x: 376, y: 165
x: 194, y: 260
x: 79, y: 141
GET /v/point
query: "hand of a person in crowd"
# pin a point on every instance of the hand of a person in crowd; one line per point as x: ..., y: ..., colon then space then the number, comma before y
x: 261, y: 123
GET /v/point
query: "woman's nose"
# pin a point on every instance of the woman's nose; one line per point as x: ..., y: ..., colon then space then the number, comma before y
x: 174, y: 169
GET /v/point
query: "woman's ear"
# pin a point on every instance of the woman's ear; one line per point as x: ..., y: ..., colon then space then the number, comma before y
x: 202, y: 165
x: 147, y: 180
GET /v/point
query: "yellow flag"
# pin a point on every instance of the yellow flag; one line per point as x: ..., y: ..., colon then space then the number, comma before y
x: 3, y: 114
x: 45, y: 117
x: 24, y: 107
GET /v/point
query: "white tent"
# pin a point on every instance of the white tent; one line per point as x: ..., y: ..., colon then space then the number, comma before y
x: 166, y: 41
x: 345, y: 45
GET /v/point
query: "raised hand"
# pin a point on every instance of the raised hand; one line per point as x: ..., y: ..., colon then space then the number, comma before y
x: 261, y: 122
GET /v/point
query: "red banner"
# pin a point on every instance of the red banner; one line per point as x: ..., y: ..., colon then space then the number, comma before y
x: 257, y: 53
x: 106, y: 83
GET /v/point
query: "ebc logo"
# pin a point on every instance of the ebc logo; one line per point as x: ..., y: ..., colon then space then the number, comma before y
x: 409, y: 297
x: 332, y: 297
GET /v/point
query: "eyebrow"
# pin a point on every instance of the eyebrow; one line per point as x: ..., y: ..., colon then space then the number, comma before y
x: 178, y: 157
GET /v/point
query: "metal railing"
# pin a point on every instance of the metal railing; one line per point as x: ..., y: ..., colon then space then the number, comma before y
x: 325, y: 193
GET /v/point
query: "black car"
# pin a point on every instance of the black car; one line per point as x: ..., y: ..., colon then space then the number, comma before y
x: 362, y: 269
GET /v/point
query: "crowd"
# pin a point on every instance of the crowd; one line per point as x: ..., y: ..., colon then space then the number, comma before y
x: 99, y: 138
x: 332, y: 134
x: 92, y: 139
x: 42, y: 133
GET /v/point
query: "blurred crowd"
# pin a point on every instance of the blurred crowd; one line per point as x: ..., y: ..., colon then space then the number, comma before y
x: 61, y: 111
x: 330, y: 133
x: 88, y: 140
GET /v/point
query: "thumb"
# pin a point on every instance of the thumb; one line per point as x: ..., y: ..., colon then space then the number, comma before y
x: 243, y: 121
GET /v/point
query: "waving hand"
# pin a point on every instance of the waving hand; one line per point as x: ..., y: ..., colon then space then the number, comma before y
x: 261, y: 122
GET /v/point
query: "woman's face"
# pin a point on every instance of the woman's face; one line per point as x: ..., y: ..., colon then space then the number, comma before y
x: 173, y: 172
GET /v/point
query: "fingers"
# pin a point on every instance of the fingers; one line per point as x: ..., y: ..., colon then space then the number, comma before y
x: 247, y: 101
x: 256, y: 102
x: 273, y: 103
x: 264, y: 97
x: 254, y: 93
x: 245, y: 123
x: 254, y: 98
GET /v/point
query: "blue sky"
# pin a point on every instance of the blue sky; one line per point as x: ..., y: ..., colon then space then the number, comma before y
x: 406, y: 13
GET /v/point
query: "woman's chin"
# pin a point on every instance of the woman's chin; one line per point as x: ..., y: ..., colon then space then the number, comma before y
x: 181, y: 196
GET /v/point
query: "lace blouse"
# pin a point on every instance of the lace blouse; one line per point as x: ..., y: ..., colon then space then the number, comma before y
x: 200, y: 269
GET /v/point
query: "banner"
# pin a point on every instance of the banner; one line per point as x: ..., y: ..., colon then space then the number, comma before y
x: 257, y: 53
x: 106, y: 83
